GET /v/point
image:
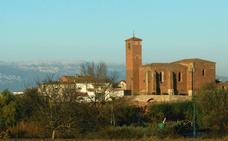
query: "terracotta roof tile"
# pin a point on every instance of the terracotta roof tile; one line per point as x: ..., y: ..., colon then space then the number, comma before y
x: 80, y: 79
x: 193, y: 60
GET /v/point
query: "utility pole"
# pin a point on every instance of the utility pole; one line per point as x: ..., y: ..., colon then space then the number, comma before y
x: 113, y: 120
x: 194, y: 103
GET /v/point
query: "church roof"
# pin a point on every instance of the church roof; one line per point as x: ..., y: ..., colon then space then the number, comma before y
x: 164, y: 65
x: 134, y: 39
x: 180, y: 61
x: 193, y: 60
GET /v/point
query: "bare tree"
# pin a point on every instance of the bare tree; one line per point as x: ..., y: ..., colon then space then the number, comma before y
x: 61, y: 97
x: 98, y: 71
x: 103, y: 80
x: 101, y: 71
x: 87, y: 69
x: 57, y: 108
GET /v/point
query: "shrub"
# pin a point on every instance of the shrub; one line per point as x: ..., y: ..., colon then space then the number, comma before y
x: 27, y: 130
x: 212, y: 104
x: 172, y: 111
x: 124, y: 132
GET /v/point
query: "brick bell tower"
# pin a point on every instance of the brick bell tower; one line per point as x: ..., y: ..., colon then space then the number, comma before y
x: 133, y: 62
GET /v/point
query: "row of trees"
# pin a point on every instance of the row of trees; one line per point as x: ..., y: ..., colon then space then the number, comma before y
x: 45, y: 114
x: 33, y: 116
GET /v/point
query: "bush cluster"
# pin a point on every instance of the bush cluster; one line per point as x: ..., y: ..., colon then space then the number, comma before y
x: 34, y: 116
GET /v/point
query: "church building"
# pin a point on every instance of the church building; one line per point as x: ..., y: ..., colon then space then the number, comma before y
x: 175, y: 78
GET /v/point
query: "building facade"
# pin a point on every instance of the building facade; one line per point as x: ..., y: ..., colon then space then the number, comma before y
x: 180, y: 77
x: 84, y: 88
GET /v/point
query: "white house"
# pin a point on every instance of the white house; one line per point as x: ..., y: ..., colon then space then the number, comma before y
x: 87, y: 89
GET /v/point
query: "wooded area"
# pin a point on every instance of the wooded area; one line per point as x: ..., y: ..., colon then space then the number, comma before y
x: 36, y: 115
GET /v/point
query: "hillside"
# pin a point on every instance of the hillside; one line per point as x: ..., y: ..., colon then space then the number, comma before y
x: 20, y: 75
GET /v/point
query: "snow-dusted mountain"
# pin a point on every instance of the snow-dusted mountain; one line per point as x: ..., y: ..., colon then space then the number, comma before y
x: 222, y: 78
x: 17, y: 76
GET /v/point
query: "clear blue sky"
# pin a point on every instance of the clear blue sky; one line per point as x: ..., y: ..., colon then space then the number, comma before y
x: 95, y: 30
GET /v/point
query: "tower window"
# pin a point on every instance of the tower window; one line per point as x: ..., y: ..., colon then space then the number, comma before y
x: 203, y: 72
x: 179, y: 76
x: 129, y: 46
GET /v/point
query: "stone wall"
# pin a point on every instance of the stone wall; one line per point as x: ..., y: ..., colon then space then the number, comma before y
x: 143, y: 100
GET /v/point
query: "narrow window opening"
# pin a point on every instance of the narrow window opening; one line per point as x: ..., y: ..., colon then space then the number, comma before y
x: 203, y: 72
x: 161, y: 76
x: 179, y: 76
x: 129, y: 46
x: 145, y: 77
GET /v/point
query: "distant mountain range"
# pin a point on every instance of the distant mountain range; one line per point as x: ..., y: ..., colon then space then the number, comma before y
x: 16, y: 76
x: 222, y: 78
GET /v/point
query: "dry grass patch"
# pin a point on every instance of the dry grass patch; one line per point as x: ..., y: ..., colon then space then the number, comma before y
x: 143, y: 139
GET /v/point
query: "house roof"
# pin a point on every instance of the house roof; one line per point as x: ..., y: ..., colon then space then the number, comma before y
x: 80, y: 79
x: 57, y: 83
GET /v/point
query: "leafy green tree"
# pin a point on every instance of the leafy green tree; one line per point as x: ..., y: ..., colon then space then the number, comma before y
x: 8, y: 109
x: 29, y: 103
x: 126, y: 114
x: 213, y: 105
x: 172, y: 111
